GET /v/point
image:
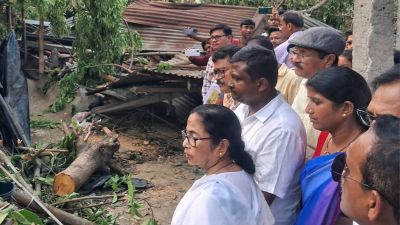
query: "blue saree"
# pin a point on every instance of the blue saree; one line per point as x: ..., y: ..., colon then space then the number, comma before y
x: 320, y: 194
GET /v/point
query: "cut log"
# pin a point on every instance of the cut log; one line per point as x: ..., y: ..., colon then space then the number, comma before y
x: 65, y: 217
x: 90, y: 159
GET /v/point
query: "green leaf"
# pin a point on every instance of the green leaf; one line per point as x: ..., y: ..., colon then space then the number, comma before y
x: 31, y: 217
x: 46, y: 180
x: 42, y: 123
x: 18, y: 217
x: 115, y: 198
x: 150, y: 221
x: 3, y: 216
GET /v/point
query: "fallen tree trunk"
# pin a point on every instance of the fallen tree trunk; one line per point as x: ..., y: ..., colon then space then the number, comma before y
x: 90, y: 158
x: 26, y: 201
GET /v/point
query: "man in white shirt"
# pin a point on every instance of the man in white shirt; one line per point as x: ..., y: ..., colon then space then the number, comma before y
x: 313, y: 50
x: 273, y: 133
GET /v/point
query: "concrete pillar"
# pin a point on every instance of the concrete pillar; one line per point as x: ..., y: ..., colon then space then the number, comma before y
x: 373, y: 38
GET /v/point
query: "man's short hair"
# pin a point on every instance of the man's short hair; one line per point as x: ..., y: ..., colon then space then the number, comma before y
x: 390, y: 76
x: 294, y: 18
x: 203, y: 44
x: 247, y: 22
x: 262, y: 41
x: 225, y: 28
x: 260, y: 63
x: 225, y: 52
x: 273, y: 29
x: 348, y: 54
x: 396, y: 56
x: 382, y: 166
x: 348, y: 33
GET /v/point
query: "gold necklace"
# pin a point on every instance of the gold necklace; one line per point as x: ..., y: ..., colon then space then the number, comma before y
x: 326, y: 152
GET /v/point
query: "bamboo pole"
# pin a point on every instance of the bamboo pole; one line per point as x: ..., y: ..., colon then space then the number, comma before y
x: 41, y: 46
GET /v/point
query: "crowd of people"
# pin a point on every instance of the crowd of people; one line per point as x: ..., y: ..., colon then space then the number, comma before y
x: 289, y: 133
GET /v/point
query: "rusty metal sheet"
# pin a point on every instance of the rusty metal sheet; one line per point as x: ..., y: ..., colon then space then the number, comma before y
x: 161, y: 23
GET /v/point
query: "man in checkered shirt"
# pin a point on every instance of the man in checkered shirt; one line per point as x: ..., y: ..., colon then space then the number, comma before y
x: 220, y: 36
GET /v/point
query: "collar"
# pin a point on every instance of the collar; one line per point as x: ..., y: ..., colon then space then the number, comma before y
x: 282, y: 70
x: 267, y: 111
x: 295, y: 34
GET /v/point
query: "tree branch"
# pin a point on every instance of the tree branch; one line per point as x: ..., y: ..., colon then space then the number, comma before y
x: 315, y: 7
x: 279, y: 4
x: 86, y: 198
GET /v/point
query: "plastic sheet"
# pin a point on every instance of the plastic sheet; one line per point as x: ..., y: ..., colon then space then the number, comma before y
x: 14, y: 121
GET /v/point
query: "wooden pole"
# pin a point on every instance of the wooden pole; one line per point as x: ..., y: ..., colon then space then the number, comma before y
x: 31, y: 196
x: 41, y: 46
x: 24, y: 34
x: 66, y: 218
x: 9, y: 15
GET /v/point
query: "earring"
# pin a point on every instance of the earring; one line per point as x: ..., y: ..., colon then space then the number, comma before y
x: 344, y: 114
x: 220, y: 154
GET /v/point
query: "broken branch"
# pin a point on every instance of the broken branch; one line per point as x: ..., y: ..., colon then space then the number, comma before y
x: 90, y: 158
x: 88, y: 206
x: 86, y: 198
x: 31, y: 196
x: 67, y: 218
x: 4, y: 159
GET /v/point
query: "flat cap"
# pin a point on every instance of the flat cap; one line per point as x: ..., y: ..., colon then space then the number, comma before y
x: 320, y: 38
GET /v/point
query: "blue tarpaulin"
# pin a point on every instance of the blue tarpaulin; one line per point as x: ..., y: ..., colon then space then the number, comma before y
x: 14, y: 99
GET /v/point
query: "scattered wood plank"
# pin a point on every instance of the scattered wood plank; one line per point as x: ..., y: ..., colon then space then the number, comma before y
x: 157, y: 89
x: 50, y: 46
x: 156, y: 53
x: 134, y: 103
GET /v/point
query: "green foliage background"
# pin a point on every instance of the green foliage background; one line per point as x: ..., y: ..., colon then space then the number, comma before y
x: 337, y: 13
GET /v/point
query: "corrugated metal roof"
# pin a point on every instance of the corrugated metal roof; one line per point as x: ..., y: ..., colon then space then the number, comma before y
x: 160, y: 24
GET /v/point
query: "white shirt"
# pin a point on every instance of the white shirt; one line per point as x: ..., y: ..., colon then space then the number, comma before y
x: 299, y: 105
x: 223, y: 199
x: 275, y: 138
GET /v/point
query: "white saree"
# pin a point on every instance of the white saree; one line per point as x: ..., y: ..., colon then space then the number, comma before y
x: 225, y: 198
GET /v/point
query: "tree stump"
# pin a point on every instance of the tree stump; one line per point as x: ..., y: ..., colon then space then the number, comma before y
x: 90, y: 158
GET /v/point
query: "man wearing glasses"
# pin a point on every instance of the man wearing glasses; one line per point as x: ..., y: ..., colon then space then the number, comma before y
x: 386, y: 97
x: 313, y: 50
x: 369, y: 174
x: 220, y: 36
x: 222, y: 73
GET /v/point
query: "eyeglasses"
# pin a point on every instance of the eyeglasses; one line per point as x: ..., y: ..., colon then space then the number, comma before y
x: 216, y: 37
x: 365, y: 116
x: 301, y: 55
x: 339, y: 170
x: 219, y: 74
x: 192, y: 140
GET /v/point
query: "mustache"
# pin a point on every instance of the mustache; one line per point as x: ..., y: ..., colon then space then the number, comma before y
x: 297, y: 65
x: 220, y: 81
x: 232, y: 90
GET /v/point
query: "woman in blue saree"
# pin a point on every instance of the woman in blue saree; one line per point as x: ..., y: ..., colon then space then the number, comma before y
x: 334, y: 94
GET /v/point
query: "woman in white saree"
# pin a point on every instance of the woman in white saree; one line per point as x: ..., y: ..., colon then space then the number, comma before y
x: 227, y: 193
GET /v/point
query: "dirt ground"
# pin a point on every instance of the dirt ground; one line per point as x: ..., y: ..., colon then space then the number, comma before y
x: 150, y: 149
